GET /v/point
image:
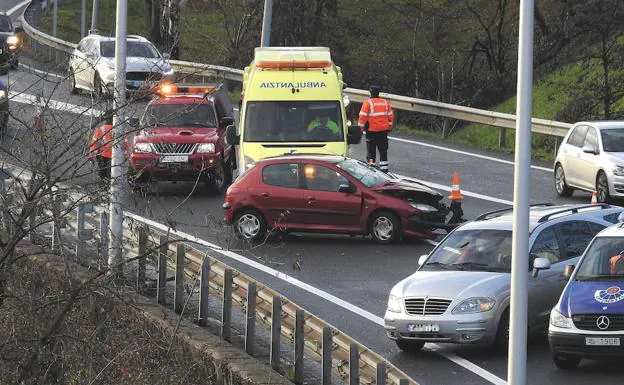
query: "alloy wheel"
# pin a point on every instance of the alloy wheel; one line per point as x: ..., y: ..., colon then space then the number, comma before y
x: 383, y: 228
x: 248, y: 226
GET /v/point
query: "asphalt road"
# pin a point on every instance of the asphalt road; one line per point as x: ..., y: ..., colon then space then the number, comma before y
x: 354, y: 269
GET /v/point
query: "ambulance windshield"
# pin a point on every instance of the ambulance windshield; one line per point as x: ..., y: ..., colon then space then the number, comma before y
x: 317, y: 121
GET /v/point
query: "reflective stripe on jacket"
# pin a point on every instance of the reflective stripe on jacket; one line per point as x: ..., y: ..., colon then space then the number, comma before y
x: 102, y: 142
x: 378, y: 113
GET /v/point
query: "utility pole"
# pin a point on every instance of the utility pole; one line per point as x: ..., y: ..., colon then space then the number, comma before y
x: 83, y: 18
x: 117, y: 175
x: 266, y: 23
x: 95, y: 12
x: 516, y: 363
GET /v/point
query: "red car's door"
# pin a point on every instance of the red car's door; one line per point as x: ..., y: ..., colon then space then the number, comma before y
x: 325, y: 207
x: 279, y: 196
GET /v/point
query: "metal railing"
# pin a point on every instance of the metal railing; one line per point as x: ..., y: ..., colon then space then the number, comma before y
x: 84, y: 227
x: 474, y: 115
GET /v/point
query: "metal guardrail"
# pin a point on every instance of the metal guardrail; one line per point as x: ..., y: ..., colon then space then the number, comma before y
x: 469, y: 114
x: 80, y: 226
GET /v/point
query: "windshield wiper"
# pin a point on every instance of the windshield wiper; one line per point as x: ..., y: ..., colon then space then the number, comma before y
x: 602, y: 277
x: 478, y: 265
x: 437, y: 264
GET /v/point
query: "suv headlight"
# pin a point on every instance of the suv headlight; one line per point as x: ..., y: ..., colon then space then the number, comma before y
x: 394, y: 305
x: 474, y: 305
x: 425, y: 208
x: 12, y: 40
x: 3, y: 94
x: 142, y: 147
x: 248, y: 162
x: 206, y: 148
x: 618, y: 170
x: 559, y: 320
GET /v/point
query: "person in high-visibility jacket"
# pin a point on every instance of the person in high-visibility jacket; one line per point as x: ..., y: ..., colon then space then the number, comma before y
x: 376, y: 118
x: 101, y: 147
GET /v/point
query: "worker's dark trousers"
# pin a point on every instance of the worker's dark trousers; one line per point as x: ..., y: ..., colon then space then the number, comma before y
x: 377, y: 140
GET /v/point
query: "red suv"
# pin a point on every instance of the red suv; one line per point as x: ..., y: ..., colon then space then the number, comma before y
x: 182, y: 138
x: 328, y: 193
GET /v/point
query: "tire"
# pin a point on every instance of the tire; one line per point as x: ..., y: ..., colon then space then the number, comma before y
x: 602, y: 188
x: 562, y: 188
x: 98, y: 88
x: 501, y: 343
x: 249, y: 225
x: 72, y: 82
x: 385, y: 227
x: 410, y: 346
x: 566, y: 362
x: 220, y: 178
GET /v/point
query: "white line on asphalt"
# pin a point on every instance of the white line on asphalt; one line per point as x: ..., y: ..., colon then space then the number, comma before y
x: 17, y: 7
x: 54, y: 104
x: 464, y: 152
x: 44, y: 73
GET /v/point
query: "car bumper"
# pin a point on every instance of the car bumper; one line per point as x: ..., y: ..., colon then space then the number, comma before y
x: 455, y: 328
x: 616, y: 185
x: 197, y: 165
x: 575, y: 345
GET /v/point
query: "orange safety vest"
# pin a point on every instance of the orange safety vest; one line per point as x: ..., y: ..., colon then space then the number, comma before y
x: 102, y: 142
x: 613, y: 262
x: 378, y: 113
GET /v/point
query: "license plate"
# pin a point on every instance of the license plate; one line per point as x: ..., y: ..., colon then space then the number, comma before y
x: 602, y: 341
x: 174, y: 159
x: 427, y: 328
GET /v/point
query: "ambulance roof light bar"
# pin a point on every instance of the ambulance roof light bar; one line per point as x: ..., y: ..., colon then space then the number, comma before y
x: 309, y: 64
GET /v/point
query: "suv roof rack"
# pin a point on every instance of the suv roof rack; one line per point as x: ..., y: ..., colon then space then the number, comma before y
x: 492, y: 214
x: 573, y: 210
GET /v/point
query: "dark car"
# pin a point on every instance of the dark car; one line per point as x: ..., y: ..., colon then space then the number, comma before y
x: 332, y: 194
x: 182, y: 137
x: 10, y: 44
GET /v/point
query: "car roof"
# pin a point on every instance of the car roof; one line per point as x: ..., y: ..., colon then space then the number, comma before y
x: 614, y: 231
x: 540, y: 214
x: 603, y: 124
x: 303, y: 157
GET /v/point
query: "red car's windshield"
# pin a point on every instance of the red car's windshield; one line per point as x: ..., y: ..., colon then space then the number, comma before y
x: 368, y: 175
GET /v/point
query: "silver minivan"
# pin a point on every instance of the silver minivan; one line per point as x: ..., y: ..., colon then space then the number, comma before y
x: 460, y: 292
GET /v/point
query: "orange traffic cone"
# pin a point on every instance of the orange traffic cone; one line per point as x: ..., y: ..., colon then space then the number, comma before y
x: 455, y: 190
x: 594, y: 200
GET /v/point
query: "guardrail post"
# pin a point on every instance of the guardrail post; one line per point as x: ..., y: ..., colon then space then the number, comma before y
x: 250, y: 320
x: 162, y: 270
x: 204, y: 288
x: 140, y: 282
x: 502, y: 137
x: 354, y: 366
x: 299, y: 340
x: 226, y: 314
x: 276, y: 331
x: 326, y: 365
x: 178, y: 296
x: 104, y: 238
x: 381, y: 374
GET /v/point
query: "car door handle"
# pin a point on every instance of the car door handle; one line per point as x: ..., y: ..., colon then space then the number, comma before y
x: 265, y: 195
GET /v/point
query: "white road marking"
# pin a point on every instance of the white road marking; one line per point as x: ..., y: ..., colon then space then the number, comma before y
x: 53, y: 104
x: 494, y: 159
x: 43, y: 73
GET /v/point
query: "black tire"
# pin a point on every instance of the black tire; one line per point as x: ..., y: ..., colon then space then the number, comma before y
x: 566, y: 362
x: 384, y: 227
x: 220, y: 178
x: 410, y: 346
x: 98, y: 87
x: 249, y: 225
x: 602, y: 188
x: 72, y: 82
x: 501, y: 343
x: 561, y: 187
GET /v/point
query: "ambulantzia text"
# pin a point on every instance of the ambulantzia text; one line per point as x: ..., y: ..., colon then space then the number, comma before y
x: 293, y: 85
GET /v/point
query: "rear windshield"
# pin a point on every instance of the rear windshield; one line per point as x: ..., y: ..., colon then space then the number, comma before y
x: 318, y: 121
x: 603, y: 261
x: 180, y: 115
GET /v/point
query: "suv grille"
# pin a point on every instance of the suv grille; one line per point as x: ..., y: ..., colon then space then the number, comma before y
x: 590, y: 322
x: 428, y: 306
x: 142, y: 76
x: 174, y: 148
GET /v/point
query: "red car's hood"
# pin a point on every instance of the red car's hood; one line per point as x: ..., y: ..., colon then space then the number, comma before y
x: 407, y: 186
x: 179, y: 133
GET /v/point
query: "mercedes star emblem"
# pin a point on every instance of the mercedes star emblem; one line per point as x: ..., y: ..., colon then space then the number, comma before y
x: 602, y: 322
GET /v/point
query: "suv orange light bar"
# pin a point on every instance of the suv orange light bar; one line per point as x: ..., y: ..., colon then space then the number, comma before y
x: 169, y: 89
x: 293, y: 64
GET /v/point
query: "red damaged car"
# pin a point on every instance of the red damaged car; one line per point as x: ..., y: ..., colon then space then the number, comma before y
x: 333, y: 194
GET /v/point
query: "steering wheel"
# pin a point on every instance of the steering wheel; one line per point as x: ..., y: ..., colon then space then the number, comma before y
x: 321, y: 133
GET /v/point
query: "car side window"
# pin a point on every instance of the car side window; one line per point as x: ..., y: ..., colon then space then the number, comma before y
x: 576, y: 235
x: 546, y: 246
x: 578, y: 136
x: 281, y: 174
x: 321, y: 178
x: 591, y: 139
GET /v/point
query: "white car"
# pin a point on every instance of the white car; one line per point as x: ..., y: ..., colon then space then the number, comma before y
x: 92, y: 65
x: 591, y: 158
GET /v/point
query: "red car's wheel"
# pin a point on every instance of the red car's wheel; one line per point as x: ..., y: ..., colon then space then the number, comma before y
x: 385, y: 227
x: 249, y: 225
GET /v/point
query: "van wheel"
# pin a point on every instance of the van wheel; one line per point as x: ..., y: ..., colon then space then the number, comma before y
x: 385, y: 227
x: 501, y: 343
x: 566, y: 362
x: 249, y: 225
x: 410, y: 346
